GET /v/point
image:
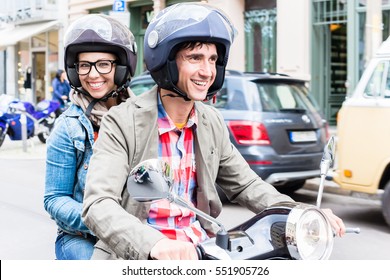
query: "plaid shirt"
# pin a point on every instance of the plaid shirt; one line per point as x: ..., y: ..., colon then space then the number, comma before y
x: 176, y: 147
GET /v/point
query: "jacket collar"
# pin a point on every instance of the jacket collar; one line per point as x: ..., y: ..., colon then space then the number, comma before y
x: 73, y: 111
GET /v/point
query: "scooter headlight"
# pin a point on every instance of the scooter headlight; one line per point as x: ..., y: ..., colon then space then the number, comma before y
x: 309, y: 235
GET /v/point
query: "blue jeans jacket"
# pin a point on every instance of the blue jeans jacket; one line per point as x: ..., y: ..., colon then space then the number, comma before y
x: 69, y: 149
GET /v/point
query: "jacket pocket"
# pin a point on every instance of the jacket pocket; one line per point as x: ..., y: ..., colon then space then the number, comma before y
x: 103, y: 252
x: 213, y: 162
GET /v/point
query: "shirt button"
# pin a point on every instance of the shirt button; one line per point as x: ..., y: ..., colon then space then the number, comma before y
x: 85, y: 166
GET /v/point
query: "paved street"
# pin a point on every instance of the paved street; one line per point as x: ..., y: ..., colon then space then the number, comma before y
x: 26, y: 229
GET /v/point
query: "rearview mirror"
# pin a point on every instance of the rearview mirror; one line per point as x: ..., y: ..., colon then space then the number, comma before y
x: 150, y: 180
x: 153, y: 179
x: 329, y: 152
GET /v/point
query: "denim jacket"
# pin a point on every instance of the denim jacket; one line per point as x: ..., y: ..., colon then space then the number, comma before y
x: 69, y: 149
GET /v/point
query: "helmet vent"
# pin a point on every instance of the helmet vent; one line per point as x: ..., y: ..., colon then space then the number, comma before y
x: 153, y: 39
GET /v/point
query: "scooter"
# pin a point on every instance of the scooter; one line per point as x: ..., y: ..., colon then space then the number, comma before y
x: 285, y: 231
x: 39, y: 120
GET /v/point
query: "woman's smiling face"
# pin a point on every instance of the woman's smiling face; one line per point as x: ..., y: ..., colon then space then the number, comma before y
x: 96, y: 84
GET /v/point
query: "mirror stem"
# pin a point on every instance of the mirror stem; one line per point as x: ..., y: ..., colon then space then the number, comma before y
x: 222, y: 237
x: 320, y: 191
x: 324, y: 166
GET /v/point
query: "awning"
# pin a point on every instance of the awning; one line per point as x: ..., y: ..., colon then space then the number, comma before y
x: 9, y: 37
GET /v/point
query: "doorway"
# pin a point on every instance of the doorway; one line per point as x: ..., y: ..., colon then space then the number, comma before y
x: 329, y: 56
x: 38, y: 76
x: 338, y: 70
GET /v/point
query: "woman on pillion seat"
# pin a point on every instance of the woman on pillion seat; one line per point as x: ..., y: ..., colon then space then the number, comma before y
x: 100, y: 59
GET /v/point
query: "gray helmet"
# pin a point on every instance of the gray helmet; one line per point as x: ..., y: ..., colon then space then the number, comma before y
x: 180, y: 23
x: 100, y: 33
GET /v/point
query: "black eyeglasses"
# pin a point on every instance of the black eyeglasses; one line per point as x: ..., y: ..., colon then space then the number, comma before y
x: 102, y: 66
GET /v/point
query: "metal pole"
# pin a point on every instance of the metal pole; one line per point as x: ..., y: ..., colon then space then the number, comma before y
x: 23, y: 121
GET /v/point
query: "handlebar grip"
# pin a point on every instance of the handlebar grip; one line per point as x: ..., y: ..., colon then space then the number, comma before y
x: 352, y: 230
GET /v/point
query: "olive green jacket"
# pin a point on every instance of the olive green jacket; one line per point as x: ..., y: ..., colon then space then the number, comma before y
x: 129, y: 135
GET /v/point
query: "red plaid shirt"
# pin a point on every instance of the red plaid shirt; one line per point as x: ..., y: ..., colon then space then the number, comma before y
x: 176, y: 147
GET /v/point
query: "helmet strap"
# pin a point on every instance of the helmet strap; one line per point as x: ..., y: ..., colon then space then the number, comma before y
x: 88, y: 111
x: 90, y: 107
x: 177, y: 95
x: 112, y: 94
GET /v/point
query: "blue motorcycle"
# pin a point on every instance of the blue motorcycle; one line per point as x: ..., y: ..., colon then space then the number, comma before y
x: 39, y: 119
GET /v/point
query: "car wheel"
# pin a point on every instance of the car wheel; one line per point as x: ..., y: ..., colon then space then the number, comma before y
x: 386, y: 203
x: 291, y: 187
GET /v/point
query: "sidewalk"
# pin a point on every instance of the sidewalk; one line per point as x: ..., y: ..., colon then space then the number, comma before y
x: 329, y: 187
x: 34, y: 149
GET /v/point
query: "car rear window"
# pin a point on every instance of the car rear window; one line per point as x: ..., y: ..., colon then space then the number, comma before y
x: 284, y: 97
x: 265, y: 95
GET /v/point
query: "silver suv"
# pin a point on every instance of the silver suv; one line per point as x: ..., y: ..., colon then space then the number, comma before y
x: 273, y: 122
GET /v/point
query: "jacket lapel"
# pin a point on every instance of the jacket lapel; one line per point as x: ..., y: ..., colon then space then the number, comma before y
x: 145, y: 126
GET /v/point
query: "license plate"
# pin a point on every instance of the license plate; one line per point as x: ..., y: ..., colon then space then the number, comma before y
x: 303, y: 136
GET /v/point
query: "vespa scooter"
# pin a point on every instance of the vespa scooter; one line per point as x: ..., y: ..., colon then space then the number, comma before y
x: 287, y: 231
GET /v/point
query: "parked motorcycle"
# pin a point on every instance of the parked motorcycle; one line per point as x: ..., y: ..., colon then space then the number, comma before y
x: 282, y: 231
x: 39, y: 119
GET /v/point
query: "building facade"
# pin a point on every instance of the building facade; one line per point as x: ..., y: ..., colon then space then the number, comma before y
x: 326, y: 42
x: 30, y: 33
x: 344, y: 36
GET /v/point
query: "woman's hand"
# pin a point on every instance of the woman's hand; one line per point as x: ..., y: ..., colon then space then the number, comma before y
x: 168, y: 249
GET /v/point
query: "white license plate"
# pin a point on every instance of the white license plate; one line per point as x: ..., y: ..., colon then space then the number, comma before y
x: 303, y: 136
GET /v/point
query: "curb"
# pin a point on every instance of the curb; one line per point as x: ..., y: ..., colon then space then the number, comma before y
x: 329, y: 187
x: 333, y: 188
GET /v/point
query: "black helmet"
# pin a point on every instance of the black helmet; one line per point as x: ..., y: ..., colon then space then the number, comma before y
x: 180, y: 23
x: 100, y: 33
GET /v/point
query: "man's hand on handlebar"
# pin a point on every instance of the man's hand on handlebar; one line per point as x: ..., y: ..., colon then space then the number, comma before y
x: 336, y: 223
x: 168, y: 249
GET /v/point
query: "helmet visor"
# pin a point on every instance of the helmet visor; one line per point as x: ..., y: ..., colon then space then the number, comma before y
x: 178, y: 17
x: 108, y: 30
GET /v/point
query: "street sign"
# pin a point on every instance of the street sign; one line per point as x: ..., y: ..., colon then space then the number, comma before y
x: 118, y: 6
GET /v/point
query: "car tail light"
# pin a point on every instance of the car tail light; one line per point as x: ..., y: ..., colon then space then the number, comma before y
x: 259, y: 162
x: 249, y: 132
x: 327, y: 133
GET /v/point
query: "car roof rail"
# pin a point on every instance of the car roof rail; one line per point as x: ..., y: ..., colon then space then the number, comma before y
x: 267, y: 73
x: 146, y: 72
x: 234, y: 72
